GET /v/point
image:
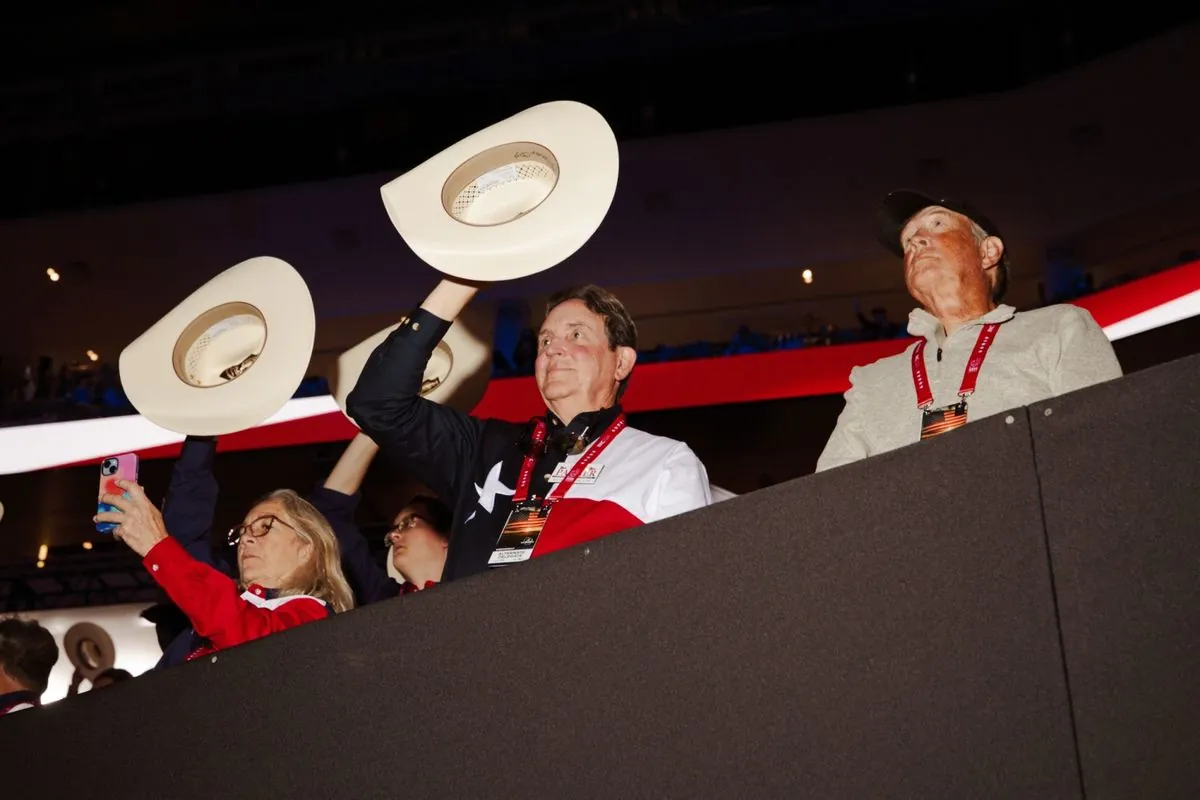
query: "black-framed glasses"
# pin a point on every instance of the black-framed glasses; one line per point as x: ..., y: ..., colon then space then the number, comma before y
x: 404, y: 524
x: 257, y: 528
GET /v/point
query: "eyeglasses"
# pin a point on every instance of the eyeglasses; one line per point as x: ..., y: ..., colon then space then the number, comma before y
x: 404, y: 524
x: 257, y: 528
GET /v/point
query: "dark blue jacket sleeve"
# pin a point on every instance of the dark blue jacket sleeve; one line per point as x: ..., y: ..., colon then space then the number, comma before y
x: 370, y: 582
x: 179, y: 649
x: 433, y: 442
x: 191, y: 503
x: 188, y: 514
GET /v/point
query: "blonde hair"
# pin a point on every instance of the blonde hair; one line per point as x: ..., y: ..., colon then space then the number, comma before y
x: 321, y: 576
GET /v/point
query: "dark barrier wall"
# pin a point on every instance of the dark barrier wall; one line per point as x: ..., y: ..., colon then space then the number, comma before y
x: 888, y: 629
x: 1120, y: 474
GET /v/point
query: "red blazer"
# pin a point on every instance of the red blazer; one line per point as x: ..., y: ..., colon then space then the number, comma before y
x: 218, y: 611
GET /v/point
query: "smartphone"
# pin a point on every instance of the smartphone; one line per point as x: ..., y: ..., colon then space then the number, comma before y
x: 123, y: 467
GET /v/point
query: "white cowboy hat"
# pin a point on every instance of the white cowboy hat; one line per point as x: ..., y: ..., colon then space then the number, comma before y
x: 513, y: 199
x: 227, y: 357
x: 456, y: 376
x: 89, y: 648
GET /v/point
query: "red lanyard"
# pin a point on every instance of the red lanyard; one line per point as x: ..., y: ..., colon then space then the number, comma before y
x: 970, y: 376
x: 539, y: 438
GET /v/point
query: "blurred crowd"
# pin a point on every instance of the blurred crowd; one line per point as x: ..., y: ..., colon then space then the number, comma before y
x: 46, y: 392
x: 41, y: 391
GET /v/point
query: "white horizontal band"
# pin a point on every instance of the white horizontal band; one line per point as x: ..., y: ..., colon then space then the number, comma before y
x: 27, y: 448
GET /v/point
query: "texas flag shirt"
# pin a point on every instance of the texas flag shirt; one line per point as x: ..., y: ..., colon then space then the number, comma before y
x: 474, y: 464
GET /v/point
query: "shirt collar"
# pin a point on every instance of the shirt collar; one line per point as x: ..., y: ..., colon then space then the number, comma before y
x: 582, y: 430
x: 925, y: 325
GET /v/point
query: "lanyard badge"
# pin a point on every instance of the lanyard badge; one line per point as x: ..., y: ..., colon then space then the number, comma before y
x: 936, y: 421
x: 521, y: 532
x: 529, y: 514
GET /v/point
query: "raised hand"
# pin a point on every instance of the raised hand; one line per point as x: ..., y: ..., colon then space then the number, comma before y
x: 140, y: 525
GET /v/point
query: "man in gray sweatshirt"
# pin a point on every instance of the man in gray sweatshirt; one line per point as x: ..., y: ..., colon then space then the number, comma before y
x: 974, y: 356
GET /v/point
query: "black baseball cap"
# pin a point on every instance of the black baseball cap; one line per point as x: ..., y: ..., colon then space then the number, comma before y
x: 902, y: 205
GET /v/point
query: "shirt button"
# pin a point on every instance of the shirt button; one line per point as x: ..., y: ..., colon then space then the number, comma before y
x: 154, y: 567
x: 416, y: 326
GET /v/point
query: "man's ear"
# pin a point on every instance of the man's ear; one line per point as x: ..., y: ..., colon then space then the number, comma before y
x: 626, y: 358
x: 991, y: 250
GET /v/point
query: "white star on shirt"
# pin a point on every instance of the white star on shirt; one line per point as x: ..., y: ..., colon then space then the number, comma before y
x: 491, y: 487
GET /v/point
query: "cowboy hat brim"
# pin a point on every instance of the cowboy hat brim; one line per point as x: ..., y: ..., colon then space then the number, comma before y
x: 80, y: 633
x: 262, y: 305
x: 513, y: 199
x: 457, y: 374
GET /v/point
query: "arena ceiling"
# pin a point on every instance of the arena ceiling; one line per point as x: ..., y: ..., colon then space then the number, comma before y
x: 133, y: 101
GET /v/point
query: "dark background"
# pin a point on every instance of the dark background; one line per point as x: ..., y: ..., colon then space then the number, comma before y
x: 134, y: 101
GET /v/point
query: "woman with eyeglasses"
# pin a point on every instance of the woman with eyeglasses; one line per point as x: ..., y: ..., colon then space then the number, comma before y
x: 288, y: 563
x: 189, y: 512
x: 417, y: 540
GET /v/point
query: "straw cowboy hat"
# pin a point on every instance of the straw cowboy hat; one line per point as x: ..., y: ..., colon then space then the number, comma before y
x: 229, y: 356
x: 513, y: 199
x: 456, y: 376
x: 89, y: 648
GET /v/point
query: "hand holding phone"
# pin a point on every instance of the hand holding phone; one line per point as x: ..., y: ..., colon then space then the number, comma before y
x: 113, y: 469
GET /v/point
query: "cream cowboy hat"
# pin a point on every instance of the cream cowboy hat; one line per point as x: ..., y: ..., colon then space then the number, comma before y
x: 89, y: 648
x: 456, y: 376
x: 227, y: 357
x: 513, y: 199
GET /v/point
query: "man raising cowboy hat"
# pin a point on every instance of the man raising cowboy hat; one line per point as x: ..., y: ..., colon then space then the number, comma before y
x: 579, y: 472
x: 975, y: 356
x: 417, y: 540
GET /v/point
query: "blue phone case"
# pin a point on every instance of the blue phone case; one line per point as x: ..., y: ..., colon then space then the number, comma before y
x: 107, y: 527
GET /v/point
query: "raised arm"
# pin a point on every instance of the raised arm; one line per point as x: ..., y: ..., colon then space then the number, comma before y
x: 435, y: 443
x: 449, y: 298
x: 337, y: 498
x: 190, y: 507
